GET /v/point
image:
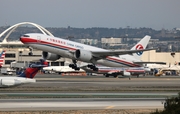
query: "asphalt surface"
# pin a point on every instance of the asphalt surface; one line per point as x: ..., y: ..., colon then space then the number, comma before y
x: 79, y: 104
x: 55, y: 92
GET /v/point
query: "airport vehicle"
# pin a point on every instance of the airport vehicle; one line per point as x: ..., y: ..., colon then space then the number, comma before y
x: 53, y: 48
x: 24, y: 77
x: 116, y: 71
x: 60, y: 69
x: 7, y: 71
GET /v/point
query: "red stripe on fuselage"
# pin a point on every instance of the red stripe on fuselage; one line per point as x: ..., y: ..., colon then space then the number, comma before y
x: 108, y: 70
x: 30, y: 40
x: 135, y: 70
x: 121, y: 61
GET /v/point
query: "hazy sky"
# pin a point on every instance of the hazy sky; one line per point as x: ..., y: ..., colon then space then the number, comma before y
x: 156, y: 14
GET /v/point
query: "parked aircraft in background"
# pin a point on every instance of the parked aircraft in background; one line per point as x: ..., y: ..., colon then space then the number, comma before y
x: 53, y: 48
x: 160, y: 69
x: 60, y: 69
x: 25, y: 77
x: 2, y: 56
x: 114, y: 71
x: 157, y: 66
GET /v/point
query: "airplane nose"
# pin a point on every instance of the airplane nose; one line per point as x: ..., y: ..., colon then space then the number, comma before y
x: 21, y: 39
x: 24, y: 39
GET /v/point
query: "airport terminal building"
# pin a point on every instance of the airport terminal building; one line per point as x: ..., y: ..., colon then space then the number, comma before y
x: 18, y: 52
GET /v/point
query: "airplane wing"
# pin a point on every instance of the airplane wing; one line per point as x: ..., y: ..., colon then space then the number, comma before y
x: 103, y: 54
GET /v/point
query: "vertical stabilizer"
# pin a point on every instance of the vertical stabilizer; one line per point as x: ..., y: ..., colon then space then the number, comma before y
x: 33, y: 69
x: 142, y: 44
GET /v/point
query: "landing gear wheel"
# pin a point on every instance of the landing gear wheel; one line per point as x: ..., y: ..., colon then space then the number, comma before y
x: 95, y: 69
x: 77, y: 68
x: 30, y: 53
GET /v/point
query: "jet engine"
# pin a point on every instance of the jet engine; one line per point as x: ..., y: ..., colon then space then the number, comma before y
x: 50, y: 56
x: 7, y: 83
x: 126, y: 73
x: 83, y: 55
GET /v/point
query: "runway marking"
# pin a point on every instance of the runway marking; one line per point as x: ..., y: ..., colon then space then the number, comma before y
x: 109, y: 107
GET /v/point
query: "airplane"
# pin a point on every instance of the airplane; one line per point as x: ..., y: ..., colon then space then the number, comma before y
x: 116, y: 71
x: 24, y: 77
x: 60, y: 69
x: 54, y: 48
x: 2, y: 56
x: 157, y: 66
x: 162, y: 69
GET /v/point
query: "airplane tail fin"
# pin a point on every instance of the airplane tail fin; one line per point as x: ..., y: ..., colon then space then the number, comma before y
x: 2, y: 56
x: 142, y: 44
x: 32, y: 70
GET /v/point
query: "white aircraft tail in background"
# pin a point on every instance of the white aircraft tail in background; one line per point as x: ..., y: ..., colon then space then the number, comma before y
x: 142, y: 44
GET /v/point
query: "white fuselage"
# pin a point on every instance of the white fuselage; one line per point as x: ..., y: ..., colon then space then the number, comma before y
x: 14, y: 81
x: 61, y: 69
x: 132, y: 70
x: 65, y: 48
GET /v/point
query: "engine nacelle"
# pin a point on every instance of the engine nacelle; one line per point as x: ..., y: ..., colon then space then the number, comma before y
x: 7, y: 83
x: 50, y: 56
x: 125, y: 73
x: 83, y: 55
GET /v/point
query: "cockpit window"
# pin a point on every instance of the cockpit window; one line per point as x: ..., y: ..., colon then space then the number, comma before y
x: 25, y: 35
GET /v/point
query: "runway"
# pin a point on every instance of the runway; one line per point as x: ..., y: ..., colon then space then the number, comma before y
x: 102, y: 84
x: 79, y: 104
x: 90, y: 94
x: 55, y: 92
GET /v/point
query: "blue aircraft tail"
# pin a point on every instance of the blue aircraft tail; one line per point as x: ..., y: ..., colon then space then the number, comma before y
x: 32, y: 70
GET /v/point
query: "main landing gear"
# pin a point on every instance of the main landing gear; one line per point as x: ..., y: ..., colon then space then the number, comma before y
x: 93, y: 67
x: 74, y: 66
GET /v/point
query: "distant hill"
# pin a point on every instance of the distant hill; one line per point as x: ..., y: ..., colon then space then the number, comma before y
x: 97, y: 32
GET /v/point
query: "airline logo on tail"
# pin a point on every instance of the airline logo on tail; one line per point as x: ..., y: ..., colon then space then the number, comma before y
x: 2, y: 56
x: 139, y: 47
x: 142, y: 44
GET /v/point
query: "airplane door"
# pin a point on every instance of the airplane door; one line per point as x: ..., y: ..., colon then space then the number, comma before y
x: 38, y: 39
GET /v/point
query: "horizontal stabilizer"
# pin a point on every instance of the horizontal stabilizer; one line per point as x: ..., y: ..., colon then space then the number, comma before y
x: 37, y: 66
